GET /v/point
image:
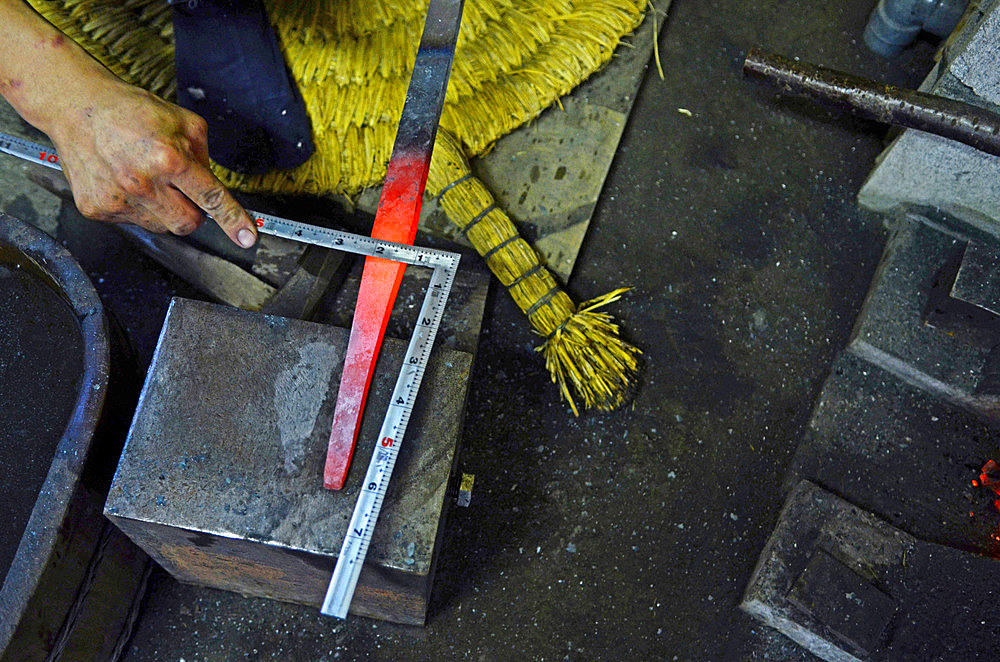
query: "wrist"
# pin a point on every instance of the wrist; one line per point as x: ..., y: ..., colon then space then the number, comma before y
x: 66, y: 103
x: 44, y: 74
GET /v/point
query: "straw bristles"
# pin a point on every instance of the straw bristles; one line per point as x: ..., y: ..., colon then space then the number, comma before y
x: 583, y: 349
x: 585, y: 355
x: 352, y: 60
x: 134, y: 39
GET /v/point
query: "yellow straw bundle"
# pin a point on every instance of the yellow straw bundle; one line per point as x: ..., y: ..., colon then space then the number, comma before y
x: 582, y: 349
x: 352, y: 60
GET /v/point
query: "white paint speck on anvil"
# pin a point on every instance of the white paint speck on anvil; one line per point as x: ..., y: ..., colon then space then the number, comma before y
x: 299, y: 392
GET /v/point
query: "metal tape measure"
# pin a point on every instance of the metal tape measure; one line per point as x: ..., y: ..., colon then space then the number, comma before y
x: 444, y: 265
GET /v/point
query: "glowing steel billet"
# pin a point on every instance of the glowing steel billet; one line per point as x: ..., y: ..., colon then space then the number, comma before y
x: 395, y: 220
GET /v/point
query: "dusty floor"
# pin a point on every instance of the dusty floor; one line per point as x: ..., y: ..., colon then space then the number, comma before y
x: 629, y: 535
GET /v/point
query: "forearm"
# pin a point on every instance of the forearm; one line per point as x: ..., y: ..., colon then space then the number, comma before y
x: 128, y: 155
x: 44, y: 75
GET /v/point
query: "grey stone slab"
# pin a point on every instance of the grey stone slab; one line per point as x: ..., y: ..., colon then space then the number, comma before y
x: 978, y: 278
x: 910, y: 600
x: 221, y: 477
x: 901, y: 454
x: 926, y: 170
x: 913, y: 326
x: 975, y: 62
x: 932, y: 171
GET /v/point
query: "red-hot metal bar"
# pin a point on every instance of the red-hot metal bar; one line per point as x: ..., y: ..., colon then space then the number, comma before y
x: 395, y: 220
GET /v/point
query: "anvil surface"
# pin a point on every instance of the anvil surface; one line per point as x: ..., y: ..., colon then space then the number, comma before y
x: 221, y: 477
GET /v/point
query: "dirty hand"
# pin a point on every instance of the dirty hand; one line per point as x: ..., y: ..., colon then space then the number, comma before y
x: 130, y: 156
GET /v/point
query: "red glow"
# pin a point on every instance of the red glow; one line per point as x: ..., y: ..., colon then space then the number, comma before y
x: 395, y: 220
x: 989, y: 477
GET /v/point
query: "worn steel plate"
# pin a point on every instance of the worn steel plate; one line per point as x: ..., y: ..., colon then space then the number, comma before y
x: 221, y: 477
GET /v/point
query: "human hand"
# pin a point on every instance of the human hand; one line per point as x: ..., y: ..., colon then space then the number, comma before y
x: 129, y: 156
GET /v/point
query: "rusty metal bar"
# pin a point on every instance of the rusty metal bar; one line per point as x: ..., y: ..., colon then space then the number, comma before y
x: 865, y: 98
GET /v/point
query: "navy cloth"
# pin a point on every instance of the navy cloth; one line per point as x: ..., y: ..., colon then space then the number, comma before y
x: 230, y: 70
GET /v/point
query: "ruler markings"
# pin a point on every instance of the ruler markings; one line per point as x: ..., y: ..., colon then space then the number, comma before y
x: 371, y: 497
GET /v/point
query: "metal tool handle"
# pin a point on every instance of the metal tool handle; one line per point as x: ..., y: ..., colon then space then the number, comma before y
x: 945, y: 117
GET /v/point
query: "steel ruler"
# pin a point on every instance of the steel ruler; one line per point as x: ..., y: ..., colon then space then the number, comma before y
x: 444, y: 266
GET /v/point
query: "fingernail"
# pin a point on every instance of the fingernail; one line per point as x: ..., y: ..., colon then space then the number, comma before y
x: 245, y: 237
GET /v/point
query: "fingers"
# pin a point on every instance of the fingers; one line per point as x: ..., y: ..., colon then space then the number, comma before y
x: 155, y: 174
x: 179, y: 217
x: 201, y: 186
x: 135, y: 198
x: 197, y: 134
x: 205, y: 190
x: 175, y: 211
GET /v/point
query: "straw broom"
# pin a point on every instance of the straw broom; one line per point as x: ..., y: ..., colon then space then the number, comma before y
x: 352, y: 60
x: 582, y: 348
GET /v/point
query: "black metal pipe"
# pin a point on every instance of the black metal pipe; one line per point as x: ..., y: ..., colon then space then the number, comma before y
x: 865, y: 98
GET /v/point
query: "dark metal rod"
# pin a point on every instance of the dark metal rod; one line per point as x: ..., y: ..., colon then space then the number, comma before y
x: 865, y: 98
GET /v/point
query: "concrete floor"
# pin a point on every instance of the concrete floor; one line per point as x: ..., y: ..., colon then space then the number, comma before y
x: 629, y: 535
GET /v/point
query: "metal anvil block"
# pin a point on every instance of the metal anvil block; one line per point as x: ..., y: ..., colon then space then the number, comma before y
x: 221, y: 477
x: 849, y: 587
x: 931, y: 317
